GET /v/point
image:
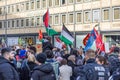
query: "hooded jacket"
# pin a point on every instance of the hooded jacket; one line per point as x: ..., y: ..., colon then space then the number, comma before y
x: 7, y: 70
x: 43, y: 72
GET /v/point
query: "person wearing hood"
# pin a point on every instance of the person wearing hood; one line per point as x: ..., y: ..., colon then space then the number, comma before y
x: 7, y: 69
x: 43, y: 71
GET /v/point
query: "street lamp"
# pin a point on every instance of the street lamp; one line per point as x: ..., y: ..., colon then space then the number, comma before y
x: 74, y: 25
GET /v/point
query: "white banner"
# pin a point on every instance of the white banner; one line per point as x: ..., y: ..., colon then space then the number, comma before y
x: 12, y: 41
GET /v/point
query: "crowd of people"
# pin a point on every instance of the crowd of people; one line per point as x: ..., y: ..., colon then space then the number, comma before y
x: 58, y: 64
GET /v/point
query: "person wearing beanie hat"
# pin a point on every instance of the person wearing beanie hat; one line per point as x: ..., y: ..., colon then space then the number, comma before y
x: 44, y: 71
x: 41, y: 58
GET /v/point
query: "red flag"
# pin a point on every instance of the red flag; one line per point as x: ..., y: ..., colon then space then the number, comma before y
x: 40, y: 37
x: 86, y: 39
x: 46, y: 19
x: 99, y: 43
x: 102, y: 47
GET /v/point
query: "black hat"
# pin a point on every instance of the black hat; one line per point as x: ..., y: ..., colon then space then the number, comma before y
x: 41, y: 58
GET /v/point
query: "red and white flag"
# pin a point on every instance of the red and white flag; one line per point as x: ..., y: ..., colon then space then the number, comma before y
x: 59, y: 44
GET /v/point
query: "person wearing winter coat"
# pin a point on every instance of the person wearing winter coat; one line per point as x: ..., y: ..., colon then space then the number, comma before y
x: 65, y: 70
x: 43, y: 71
x: 46, y: 44
x: 92, y: 70
x: 7, y: 69
x: 28, y: 67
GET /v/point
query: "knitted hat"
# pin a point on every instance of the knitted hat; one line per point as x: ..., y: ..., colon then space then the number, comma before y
x: 41, y: 58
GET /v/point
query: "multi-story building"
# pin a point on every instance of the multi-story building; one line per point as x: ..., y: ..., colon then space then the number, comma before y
x: 22, y: 19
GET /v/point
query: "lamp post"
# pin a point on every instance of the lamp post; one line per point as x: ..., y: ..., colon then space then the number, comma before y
x: 5, y: 8
x: 74, y: 25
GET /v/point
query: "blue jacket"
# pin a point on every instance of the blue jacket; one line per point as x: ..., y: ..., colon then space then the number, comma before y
x: 7, y: 70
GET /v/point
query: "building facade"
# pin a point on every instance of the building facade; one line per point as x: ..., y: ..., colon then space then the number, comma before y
x: 22, y: 19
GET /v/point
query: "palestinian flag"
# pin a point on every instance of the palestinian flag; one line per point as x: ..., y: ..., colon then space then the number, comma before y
x: 59, y: 44
x: 49, y: 30
x: 66, y: 36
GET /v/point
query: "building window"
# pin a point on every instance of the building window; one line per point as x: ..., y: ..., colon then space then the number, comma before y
x: 27, y: 22
x: 8, y: 24
x: 63, y: 18
x: 116, y: 13
x: 32, y: 22
x: 50, y: 3
x: 70, y: 1
x: 56, y: 19
x: 63, y: 2
x: 38, y: 4
x: 0, y: 24
x: 13, y: 23
x: 38, y: 21
x: 51, y: 21
x: 12, y: 7
x: 96, y: 15
x: 0, y: 10
x: 22, y: 7
x: 79, y: 17
x: 87, y: 16
x: 17, y: 23
x: 22, y: 23
x: 17, y: 8
x: 8, y: 9
x: 87, y: 0
x: 27, y: 6
x: 43, y: 3
x: 78, y: 1
x: 106, y: 14
x: 57, y: 2
x: 32, y: 5
x: 70, y: 18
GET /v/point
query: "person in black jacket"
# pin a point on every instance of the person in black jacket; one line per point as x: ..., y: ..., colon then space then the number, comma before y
x: 43, y: 71
x: 28, y: 66
x: 46, y: 45
x: 7, y: 69
x: 92, y: 70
